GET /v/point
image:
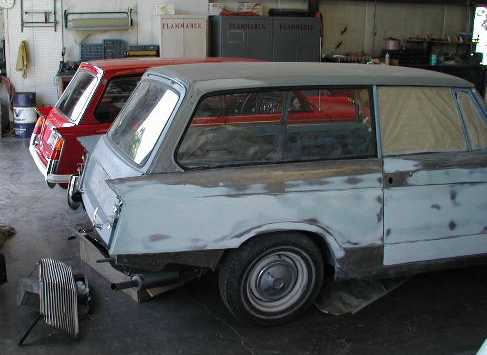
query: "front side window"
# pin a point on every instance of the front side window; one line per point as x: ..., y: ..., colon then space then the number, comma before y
x: 140, y: 124
x: 270, y: 126
x: 116, y: 95
x: 474, y: 120
x: 420, y: 120
x: 77, y: 95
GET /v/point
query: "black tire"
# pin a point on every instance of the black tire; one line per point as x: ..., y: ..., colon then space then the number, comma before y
x: 272, y: 278
x: 74, y: 198
x: 74, y: 201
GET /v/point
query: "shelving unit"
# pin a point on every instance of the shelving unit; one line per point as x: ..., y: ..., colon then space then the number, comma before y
x: 49, y: 16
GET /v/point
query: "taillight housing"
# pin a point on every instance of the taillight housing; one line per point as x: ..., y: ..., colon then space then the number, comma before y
x: 58, y: 148
x: 55, y: 156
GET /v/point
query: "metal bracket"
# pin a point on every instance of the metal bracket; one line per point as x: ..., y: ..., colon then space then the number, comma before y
x: 29, y: 330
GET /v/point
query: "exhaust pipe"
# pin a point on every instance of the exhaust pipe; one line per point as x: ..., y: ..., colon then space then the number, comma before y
x: 143, y: 281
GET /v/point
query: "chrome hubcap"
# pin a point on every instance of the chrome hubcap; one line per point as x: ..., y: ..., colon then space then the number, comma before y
x: 278, y: 281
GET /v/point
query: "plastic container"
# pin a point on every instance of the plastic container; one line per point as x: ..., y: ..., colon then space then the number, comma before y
x: 91, y: 52
x: 25, y: 115
x: 114, y: 48
x: 434, y: 59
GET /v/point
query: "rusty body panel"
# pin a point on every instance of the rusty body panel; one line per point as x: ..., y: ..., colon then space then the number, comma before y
x: 340, y: 202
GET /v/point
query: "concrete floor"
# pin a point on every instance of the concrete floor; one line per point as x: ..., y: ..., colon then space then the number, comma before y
x: 441, y: 313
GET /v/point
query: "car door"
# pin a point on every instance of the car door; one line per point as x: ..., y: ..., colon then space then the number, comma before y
x: 305, y: 158
x: 434, y: 183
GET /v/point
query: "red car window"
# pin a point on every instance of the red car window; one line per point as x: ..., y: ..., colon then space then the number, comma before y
x: 116, y: 95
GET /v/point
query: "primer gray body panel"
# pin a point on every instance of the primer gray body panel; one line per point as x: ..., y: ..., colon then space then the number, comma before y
x: 339, y: 201
x: 98, y: 199
x: 436, y: 207
x: 89, y: 142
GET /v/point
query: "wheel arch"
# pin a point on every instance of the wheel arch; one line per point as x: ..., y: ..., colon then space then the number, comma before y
x: 330, y: 249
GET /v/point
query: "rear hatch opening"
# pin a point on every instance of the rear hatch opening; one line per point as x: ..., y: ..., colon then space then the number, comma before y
x: 68, y: 111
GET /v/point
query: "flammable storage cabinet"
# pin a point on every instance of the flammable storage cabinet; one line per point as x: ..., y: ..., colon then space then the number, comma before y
x: 270, y: 38
x: 296, y: 39
x: 184, y: 36
x: 241, y: 36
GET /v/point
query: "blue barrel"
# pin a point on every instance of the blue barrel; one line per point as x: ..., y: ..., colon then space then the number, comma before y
x: 25, y: 115
x: 24, y: 99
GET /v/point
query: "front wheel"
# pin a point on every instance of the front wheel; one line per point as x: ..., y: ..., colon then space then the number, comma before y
x: 271, y: 279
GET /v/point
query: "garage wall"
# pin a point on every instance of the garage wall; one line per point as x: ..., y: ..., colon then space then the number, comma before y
x: 393, y: 19
x: 45, y: 45
x: 400, y: 20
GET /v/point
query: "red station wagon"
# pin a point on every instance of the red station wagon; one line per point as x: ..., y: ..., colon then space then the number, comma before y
x: 88, y: 106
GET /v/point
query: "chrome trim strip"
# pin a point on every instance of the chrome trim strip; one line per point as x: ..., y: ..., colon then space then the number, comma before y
x: 38, y: 161
x: 378, y: 125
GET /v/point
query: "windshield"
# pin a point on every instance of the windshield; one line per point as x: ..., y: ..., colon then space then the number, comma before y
x: 139, y: 125
x: 77, y: 95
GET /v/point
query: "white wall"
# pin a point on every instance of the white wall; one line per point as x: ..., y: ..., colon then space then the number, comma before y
x: 45, y: 45
x: 269, y: 4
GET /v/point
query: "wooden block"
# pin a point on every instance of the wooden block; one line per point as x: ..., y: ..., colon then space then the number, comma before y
x: 89, y: 254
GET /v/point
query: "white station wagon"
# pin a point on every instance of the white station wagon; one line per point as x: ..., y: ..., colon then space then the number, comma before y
x: 272, y: 173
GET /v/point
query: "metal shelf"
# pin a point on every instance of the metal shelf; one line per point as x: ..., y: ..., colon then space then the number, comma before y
x: 48, y: 14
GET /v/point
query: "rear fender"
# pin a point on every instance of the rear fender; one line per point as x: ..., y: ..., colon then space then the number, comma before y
x: 336, y: 251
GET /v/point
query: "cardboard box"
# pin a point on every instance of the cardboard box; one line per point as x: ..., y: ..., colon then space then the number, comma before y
x: 215, y: 8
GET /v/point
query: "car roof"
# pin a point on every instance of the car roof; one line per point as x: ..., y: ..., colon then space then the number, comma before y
x: 108, y: 65
x: 224, y: 76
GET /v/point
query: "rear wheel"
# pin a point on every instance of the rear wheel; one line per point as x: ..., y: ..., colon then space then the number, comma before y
x: 73, y: 195
x: 271, y: 279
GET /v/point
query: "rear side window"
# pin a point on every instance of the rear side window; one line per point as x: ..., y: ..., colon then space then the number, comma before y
x: 115, y: 97
x: 140, y: 124
x: 232, y: 129
x: 330, y: 124
x: 420, y: 120
x: 77, y: 95
x: 278, y: 126
x: 474, y: 120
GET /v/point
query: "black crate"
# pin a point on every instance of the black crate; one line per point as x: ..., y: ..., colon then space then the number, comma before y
x: 91, y: 52
x: 115, y: 48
